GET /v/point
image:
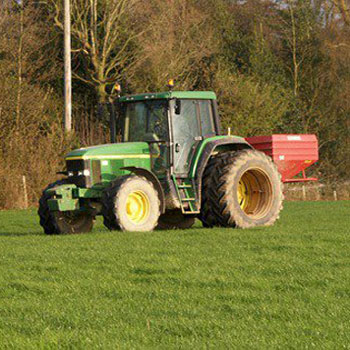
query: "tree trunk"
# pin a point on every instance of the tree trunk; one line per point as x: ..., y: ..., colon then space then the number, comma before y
x: 102, y: 111
x: 294, y: 52
x: 343, y: 8
x: 19, y: 68
x: 101, y: 93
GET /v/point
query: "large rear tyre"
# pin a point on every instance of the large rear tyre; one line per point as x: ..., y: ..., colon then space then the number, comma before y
x: 62, y: 222
x: 131, y: 203
x: 174, y: 219
x: 241, y: 189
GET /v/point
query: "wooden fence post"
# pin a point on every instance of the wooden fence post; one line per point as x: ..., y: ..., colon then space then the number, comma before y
x: 304, y: 193
x: 25, y: 193
x: 318, y: 194
x: 335, y: 195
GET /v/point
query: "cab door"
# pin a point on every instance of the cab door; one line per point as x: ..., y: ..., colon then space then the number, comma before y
x: 186, y: 133
x: 190, y: 125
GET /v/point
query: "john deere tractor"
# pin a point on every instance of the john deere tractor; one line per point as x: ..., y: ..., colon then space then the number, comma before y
x: 167, y: 164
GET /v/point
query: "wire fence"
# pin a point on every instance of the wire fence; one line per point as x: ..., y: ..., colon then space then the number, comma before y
x: 317, y: 192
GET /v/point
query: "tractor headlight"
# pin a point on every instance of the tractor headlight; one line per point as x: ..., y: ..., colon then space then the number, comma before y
x: 80, y: 173
x: 85, y: 172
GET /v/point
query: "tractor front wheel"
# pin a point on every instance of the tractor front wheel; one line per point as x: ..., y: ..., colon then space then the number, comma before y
x: 131, y: 203
x: 62, y: 222
x: 241, y: 189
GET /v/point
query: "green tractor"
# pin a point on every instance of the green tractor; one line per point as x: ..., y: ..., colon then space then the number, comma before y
x: 167, y: 164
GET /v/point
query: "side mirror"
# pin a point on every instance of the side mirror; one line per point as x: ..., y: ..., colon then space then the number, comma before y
x: 177, y: 106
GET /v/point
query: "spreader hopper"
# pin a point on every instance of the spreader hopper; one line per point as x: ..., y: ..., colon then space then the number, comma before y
x: 291, y: 153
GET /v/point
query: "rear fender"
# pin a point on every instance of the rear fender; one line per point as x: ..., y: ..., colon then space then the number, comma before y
x: 152, y: 178
x: 229, y: 143
x: 206, y: 150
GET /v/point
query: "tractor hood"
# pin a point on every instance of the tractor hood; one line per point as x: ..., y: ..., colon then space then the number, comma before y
x: 112, y: 151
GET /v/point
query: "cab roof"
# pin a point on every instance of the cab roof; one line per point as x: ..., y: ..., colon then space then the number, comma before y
x: 195, y: 95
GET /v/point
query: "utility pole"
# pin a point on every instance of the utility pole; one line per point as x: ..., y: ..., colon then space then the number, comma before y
x: 67, y: 69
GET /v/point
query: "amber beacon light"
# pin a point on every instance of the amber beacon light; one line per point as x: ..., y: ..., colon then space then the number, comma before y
x: 171, y: 84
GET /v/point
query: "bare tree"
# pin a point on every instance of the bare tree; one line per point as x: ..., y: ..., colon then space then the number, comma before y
x: 21, y: 43
x: 343, y: 7
x: 103, y: 33
x: 19, y: 62
x: 293, y: 47
x: 179, y: 36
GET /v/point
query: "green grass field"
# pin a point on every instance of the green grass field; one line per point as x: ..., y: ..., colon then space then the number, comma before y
x: 284, y: 287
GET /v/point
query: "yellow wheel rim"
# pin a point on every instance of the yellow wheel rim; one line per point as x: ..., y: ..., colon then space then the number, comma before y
x: 254, y: 193
x: 243, y: 194
x: 137, y: 207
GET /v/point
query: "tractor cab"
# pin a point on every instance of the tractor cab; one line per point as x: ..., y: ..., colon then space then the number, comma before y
x: 172, y: 123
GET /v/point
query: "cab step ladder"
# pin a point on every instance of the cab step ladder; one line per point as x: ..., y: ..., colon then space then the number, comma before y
x: 186, y: 192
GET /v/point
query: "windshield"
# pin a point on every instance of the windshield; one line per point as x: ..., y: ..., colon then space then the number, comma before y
x: 144, y: 121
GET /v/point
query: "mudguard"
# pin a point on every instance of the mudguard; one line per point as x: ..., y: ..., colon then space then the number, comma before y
x: 206, y: 150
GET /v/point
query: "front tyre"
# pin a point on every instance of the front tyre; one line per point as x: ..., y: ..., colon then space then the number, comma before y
x: 131, y: 203
x: 245, y: 191
x: 62, y: 222
x: 73, y: 221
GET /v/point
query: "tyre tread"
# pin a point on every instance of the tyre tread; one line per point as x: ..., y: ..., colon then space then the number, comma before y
x: 216, y: 209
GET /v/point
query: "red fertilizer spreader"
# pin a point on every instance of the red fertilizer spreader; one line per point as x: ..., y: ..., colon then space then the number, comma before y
x: 291, y: 153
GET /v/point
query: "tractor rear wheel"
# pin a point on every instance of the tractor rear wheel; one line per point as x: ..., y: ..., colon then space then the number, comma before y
x: 130, y: 203
x: 62, y: 222
x: 174, y: 219
x: 241, y: 189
